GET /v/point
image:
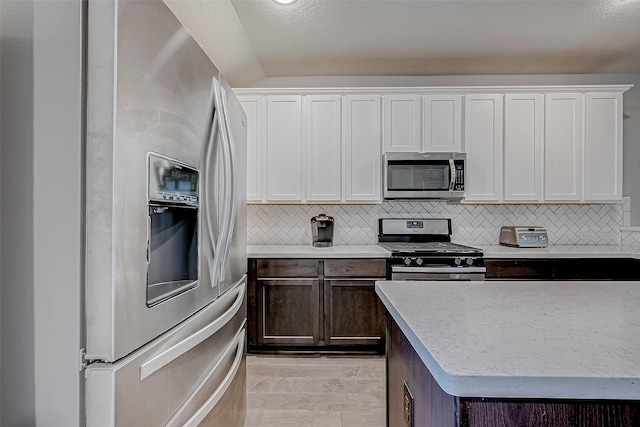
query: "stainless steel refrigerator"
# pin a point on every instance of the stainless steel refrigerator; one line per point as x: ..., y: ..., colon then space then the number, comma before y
x: 165, y: 216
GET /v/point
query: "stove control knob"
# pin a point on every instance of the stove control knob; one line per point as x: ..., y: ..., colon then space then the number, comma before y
x: 407, y: 260
x: 469, y: 261
x: 419, y: 261
x: 457, y: 261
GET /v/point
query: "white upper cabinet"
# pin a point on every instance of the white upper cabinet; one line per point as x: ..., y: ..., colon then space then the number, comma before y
x: 284, y: 148
x: 362, y: 151
x: 483, y: 144
x: 442, y: 123
x: 401, y: 123
x: 603, y: 147
x: 254, y: 107
x: 524, y: 144
x: 523, y: 147
x: 563, y: 146
x: 322, y: 132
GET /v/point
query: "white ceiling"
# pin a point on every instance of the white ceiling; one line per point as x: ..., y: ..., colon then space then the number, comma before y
x: 253, y: 39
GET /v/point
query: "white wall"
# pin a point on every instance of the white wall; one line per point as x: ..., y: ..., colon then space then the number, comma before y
x: 0, y: 209
x: 17, y: 323
x: 631, y: 178
x: 41, y: 212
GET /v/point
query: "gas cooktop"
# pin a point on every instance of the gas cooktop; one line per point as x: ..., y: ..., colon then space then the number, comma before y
x: 424, y: 248
x: 421, y: 237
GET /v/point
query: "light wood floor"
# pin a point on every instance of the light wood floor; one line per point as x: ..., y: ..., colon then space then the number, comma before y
x: 315, y: 391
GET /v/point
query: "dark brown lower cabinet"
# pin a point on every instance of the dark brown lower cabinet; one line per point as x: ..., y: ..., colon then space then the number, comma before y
x: 353, y: 313
x: 289, y: 312
x: 563, y: 269
x: 315, y: 305
x: 430, y: 406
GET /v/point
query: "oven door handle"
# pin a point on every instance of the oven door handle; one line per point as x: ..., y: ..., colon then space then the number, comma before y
x: 454, y: 270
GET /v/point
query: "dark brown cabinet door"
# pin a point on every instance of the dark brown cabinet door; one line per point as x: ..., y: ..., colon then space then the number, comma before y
x: 353, y: 312
x: 288, y: 311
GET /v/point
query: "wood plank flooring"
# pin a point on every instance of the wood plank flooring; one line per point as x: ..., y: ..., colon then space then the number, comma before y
x: 322, y: 391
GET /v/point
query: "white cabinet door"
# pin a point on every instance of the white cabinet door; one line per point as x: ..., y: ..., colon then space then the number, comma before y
x: 563, y: 146
x: 401, y: 123
x: 254, y: 107
x: 442, y: 123
x: 603, y: 147
x: 361, y: 148
x: 284, y: 148
x: 322, y: 143
x: 483, y: 144
x: 523, y: 147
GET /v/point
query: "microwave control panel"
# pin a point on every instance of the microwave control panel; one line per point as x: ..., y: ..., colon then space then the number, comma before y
x: 459, y: 180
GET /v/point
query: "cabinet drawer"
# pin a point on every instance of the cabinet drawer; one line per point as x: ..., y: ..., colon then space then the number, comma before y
x: 355, y: 268
x: 519, y: 269
x: 287, y: 268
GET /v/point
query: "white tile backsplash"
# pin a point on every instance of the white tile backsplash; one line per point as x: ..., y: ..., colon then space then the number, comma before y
x: 631, y: 236
x: 472, y: 224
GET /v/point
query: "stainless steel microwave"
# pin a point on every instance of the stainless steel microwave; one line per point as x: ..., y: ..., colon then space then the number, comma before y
x: 424, y: 175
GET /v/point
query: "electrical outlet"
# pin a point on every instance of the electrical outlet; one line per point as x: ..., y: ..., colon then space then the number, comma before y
x: 407, y: 411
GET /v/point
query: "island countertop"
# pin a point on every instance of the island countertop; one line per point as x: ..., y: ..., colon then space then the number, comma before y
x: 560, y: 340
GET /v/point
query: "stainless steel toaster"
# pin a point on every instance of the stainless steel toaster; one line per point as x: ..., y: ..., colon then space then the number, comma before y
x: 524, y: 236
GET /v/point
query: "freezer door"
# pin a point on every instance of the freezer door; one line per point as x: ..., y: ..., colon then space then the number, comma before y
x: 193, y: 375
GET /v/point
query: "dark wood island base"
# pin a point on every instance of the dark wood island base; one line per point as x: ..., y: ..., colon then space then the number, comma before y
x: 422, y: 403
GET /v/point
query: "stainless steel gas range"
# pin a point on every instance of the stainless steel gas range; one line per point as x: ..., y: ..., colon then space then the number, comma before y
x: 421, y: 249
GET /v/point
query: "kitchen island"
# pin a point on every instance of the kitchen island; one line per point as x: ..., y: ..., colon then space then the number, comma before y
x: 512, y: 353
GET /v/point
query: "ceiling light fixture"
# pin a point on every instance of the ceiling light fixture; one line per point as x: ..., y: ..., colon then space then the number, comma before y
x: 284, y: 2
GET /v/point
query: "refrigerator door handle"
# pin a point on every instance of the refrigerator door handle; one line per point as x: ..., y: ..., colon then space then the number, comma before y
x: 202, y: 412
x: 227, y: 204
x: 169, y: 355
x: 231, y: 177
x: 208, y: 150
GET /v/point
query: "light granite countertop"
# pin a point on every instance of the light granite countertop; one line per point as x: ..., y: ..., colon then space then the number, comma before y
x: 573, y: 340
x: 309, y: 251
x: 492, y: 251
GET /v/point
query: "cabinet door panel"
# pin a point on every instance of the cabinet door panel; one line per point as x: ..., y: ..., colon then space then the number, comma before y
x: 254, y: 108
x: 284, y: 148
x: 353, y: 312
x: 362, y: 148
x: 288, y: 311
x: 442, y: 120
x: 523, y: 145
x: 401, y: 115
x: 322, y: 142
x: 603, y: 147
x: 483, y: 144
x: 563, y: 146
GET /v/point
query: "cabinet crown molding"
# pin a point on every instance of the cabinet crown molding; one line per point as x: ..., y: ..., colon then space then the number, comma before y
x: 433, y: 90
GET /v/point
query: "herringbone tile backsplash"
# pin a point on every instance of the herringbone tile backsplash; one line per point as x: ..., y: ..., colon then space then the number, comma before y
x: 472, y: 224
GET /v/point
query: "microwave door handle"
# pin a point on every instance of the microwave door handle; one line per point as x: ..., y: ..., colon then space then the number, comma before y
x: 452, y: 169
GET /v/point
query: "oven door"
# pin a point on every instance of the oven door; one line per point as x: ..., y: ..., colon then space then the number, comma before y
x: 399, y: 272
